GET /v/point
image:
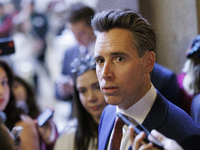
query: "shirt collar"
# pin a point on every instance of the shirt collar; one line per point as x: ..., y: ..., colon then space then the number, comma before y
x: 139, y: 110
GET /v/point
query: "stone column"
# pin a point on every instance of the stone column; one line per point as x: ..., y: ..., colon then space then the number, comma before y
x: 198, y: 14
x: 117, y: 4
x: 175, y: 24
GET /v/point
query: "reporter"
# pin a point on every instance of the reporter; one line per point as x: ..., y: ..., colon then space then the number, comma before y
x: 26, y: 99
x: 16, y: 117
x: 82, y: 131
x: 30, y: 136
x: 137, y: 144
x: 78, y: 21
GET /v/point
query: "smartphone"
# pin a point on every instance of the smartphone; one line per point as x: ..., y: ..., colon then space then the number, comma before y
x: 16, y: 131
x: 44, y: 116
x: 139, y: 128
x: 7, y: 46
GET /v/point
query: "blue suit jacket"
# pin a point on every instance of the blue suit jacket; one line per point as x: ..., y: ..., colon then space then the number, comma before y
x: 69, y: 56
x: 165, y: 81
x: 164, y: 116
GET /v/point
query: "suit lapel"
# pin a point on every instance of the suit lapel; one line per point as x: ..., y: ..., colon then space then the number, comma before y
x: 155, y: 119
x: 106, y: 126
x: 158, y: 114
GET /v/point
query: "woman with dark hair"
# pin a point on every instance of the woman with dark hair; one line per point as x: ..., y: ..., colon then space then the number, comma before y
x: 88, y: 104
x: 25, y: 97
x: 16, y: 117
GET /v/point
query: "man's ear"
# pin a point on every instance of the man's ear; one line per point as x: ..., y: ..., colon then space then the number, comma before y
x: 150, y: 59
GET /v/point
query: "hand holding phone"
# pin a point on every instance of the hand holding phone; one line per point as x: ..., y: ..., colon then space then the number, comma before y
x: 15, y: 133
x: 139, y: 128
x: 44, y: 116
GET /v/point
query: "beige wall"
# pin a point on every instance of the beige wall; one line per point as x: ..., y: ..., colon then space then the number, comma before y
x: 175, y: 24
x: 117, y: 4
x: 198, y: 14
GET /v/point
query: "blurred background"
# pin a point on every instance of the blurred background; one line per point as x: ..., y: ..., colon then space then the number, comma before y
x: 38, y: 58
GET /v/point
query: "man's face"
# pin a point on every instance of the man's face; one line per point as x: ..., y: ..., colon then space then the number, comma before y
x: 82, y: 32
x: 123, y: 76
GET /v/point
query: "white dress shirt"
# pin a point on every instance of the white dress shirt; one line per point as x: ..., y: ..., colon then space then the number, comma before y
x: 138, y: 111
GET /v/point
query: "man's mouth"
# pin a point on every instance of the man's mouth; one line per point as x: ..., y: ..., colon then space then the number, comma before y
x: 109, y: 90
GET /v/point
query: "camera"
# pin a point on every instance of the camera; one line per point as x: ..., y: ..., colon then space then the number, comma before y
x: 7, y: 46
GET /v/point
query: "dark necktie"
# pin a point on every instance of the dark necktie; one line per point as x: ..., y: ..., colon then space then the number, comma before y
x: 117, y: 135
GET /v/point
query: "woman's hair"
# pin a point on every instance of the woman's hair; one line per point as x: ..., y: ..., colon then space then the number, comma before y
x: 142, y: 32
x: 194, y: 64
x: 33, y: 108
x: 195, y: 48
x: 12, y: 113
x: 87, y: 128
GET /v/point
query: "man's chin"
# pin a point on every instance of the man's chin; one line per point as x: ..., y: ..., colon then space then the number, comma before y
x: 112, y: 101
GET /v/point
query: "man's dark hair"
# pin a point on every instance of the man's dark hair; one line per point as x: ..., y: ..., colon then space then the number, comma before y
x: 142, y: 32
x: 80, y: 12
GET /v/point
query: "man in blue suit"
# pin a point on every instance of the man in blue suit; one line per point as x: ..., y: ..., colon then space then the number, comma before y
x: 124, y: 53
x: 79, y: 18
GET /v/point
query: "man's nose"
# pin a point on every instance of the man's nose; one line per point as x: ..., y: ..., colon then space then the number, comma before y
x: 107, y: 71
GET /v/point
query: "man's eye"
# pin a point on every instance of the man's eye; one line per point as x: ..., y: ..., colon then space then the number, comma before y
x: 99, y: 61
x: 119, y: 58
